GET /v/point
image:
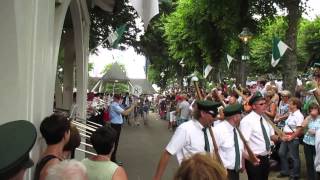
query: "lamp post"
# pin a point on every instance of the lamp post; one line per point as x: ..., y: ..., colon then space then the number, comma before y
x: 182, y: 64
x: 162, y: 80
x: 244, y: 36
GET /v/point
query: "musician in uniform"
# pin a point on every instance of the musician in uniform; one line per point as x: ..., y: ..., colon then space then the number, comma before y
x: 191, y: 137
x: 228, y: 141
x: 258, y: 133
x: 14, y: 150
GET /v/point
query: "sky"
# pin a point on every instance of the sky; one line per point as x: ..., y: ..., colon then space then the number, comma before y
x: 135, y: 64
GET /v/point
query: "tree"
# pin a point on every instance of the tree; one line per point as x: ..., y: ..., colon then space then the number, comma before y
x: 103, y: 23
x: 261, y: 45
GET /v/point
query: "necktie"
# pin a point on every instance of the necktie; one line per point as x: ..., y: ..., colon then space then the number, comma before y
x: 206, y: 141
x: 265, y: 135
x: 237, y: 151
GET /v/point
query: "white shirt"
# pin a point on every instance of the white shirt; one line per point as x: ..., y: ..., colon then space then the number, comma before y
x: 184, y: 109
x: 187, y: 140
x: 224, y: 136
x: 294, y: 120
x: 317, y: 146
x: 251, y: 129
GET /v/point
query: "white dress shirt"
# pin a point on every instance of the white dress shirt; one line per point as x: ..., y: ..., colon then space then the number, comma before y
x: 294, y: 120
x: 224, y: 136
x: 251, y: 129
x: 187, y: 140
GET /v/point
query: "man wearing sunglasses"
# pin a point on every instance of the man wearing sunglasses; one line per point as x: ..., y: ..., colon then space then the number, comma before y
x: 258, y: 133
x: 191, y: 137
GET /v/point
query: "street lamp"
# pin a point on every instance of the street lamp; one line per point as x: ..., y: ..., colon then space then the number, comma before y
x: 244, y: 36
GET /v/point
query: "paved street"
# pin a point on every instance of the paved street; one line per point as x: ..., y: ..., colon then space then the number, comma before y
x: 141, y: 146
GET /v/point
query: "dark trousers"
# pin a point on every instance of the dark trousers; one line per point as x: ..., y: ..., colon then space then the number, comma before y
x: 116, y: 127
x: 233, y: 175
x: 261, y: 171
x: 290, y: 148
x: 310, y: 153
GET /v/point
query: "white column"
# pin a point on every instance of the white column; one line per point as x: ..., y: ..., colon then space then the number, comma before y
x: 81, y: 24
x: 29, y: 42
x: 68, y: 69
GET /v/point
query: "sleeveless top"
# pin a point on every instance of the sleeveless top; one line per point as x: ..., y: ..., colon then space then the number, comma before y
x: 41, y: 163
x: 100, y: 170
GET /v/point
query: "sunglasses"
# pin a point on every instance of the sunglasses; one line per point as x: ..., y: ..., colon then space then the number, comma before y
x: 261, y: 104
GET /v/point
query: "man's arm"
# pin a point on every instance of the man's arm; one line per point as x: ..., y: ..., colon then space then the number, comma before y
x: 162, y: 165
x: 127, y: 111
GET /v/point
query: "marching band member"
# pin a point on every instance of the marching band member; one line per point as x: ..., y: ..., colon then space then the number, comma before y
x: 258, y: 133
x: 190, y: 137
x: 228, y: 140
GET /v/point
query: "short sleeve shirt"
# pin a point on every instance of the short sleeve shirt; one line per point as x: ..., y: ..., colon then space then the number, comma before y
x: 115, y: 113
x: 184, y: 107
x: 224, y: 137
x: 294, y: 120
x: 187, y: 140
x: 251, y: 129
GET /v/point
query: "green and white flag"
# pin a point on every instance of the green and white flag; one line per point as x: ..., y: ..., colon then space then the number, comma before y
x: 278, y: 49
x: 115, y: 37
x: 207, y: 71
x: 229, y: 60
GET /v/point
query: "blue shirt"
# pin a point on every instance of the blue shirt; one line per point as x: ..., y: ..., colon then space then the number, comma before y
x: 115, y: 113
x: 315, y: 125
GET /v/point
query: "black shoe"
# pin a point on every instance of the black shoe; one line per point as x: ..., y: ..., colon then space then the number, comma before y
x: 282, y: 175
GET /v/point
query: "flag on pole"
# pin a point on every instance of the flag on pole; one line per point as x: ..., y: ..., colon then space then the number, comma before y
x: 278, y: 49
x: 146, y: 9
x: 207, y: 70
x: 115, y: 37
x: 229, y: 60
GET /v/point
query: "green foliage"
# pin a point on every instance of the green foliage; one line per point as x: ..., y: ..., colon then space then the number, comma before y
x: 103, y: 23
x: 261, y: 50
x: 261, y: 45
x: 107, y: 67
x: 117, y: 87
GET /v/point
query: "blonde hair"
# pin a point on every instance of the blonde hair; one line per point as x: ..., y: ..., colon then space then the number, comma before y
x: 200, y: 167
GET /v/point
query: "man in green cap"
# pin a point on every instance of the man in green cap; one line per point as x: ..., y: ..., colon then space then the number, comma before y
x: 14, y: 150
x: 258, y: 133
x: 228, y: 140
x: 191, y: 137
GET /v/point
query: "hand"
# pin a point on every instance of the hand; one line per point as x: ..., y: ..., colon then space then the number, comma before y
x: 284, y: 138
x: 256, y: 161
x: 311, y: 131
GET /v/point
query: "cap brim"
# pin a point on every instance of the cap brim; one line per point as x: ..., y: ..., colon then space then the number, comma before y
x: 28, y: 164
